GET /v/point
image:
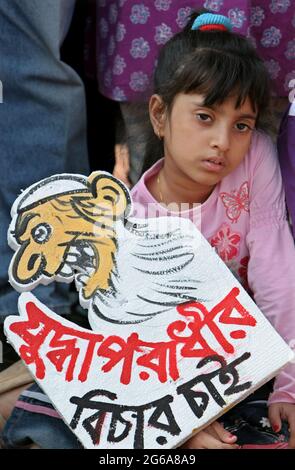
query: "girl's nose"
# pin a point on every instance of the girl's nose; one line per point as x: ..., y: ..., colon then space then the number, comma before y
x: 221, y: 140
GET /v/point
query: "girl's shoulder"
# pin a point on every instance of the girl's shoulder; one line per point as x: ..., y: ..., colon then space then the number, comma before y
x: 262, y: 148
x: 139, y: 190
x: 261, y: 158
x: 260, y: 143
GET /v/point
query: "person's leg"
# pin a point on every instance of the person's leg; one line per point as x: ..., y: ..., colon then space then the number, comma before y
x: 7, y: 402
x: 34, y: 421
x: 42, y: 119
x: 248, y: 420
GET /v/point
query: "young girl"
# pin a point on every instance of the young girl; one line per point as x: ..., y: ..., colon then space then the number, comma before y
x: 211, y: 92
x: 210, y: 104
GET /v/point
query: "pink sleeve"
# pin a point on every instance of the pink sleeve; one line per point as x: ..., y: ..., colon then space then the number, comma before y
x: 271, y: 270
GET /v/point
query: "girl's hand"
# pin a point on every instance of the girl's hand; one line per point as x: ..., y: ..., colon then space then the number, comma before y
x: 285, y: 411
x: 213, y: 437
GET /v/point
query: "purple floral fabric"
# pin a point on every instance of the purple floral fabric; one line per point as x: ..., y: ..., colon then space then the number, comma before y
x: 129, y: 34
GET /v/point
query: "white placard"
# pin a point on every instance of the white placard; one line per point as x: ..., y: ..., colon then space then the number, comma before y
x: 176, y: 340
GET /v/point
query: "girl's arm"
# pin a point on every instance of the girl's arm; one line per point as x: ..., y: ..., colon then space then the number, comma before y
x: 271, y: 269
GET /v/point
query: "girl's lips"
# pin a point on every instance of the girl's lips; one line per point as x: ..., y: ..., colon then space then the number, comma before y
x: 213, y: 166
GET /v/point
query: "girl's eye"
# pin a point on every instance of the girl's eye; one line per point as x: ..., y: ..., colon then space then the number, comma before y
x: 203, y: 117
x: 243, y: 127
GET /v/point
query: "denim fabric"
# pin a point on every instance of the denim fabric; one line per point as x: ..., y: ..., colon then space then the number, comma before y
x: 24, y: 428
x: 42, y: 119
x: 249, y: 422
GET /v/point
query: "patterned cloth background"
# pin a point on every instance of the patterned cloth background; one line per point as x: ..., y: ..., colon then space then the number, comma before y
x: 129, y: 34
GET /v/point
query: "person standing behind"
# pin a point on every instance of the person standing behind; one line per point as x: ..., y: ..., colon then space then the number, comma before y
x: 42, y: 121
x: 286, y: 150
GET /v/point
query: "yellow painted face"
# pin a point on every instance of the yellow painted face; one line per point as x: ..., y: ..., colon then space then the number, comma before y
x: 47, y: 230
x: 45, y: 233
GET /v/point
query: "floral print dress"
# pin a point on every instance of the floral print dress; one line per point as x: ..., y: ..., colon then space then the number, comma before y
x: 130, y: 33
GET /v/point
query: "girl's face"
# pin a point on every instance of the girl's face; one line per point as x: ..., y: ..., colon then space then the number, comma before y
x: 204, y: 144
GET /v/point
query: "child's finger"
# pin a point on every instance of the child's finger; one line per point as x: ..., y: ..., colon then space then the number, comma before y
x: 223, y: 434
x: 204, y: 440
x: 274, y: 417
x: 210, y: 442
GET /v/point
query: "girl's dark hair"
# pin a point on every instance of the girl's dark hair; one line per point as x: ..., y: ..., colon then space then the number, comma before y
x: 215, y: 64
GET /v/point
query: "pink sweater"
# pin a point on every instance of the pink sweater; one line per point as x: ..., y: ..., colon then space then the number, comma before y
x: 244, y: 218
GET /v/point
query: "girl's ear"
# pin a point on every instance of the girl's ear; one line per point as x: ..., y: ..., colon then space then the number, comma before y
x: 157, y: 112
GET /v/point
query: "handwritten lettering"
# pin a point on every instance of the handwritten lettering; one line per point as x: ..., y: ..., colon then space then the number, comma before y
x: 44, y: 324
x: 224, y: 373
x: 157, y: 414
x: 186, y: 338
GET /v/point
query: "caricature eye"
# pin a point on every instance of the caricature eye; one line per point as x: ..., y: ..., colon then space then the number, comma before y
x: 41, y: 233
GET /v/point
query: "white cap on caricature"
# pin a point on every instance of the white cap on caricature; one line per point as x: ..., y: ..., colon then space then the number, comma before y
x: 52, y: 186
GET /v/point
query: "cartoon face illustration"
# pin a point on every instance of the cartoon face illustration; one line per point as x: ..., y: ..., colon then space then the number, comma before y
x: 127, y: 270
x: 73, y: 221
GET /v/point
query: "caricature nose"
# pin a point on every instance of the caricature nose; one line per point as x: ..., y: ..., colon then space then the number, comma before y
x: 221, y: 139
